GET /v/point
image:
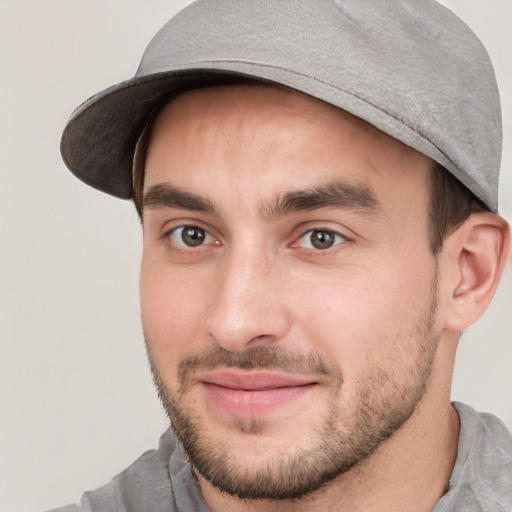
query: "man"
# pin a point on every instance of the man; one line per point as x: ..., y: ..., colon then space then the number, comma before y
x: 317, y: 185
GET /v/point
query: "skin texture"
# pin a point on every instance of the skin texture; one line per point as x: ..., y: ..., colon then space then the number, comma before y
x: 303, y: 343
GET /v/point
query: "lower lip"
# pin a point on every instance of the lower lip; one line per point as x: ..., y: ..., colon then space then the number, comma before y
x: 255, y: 403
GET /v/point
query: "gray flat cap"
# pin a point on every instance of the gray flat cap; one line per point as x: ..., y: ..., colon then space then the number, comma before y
x: 409, y: 67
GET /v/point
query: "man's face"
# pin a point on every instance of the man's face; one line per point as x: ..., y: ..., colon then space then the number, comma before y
x: 288, y: 291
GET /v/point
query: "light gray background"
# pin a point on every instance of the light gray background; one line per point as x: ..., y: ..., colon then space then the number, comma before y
x: 76, y: 400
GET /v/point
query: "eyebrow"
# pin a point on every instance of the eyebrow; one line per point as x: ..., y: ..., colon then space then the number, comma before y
x: 336, y: 194
x: 165, y: 196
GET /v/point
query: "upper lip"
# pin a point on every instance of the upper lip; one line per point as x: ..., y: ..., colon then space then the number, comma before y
x: 253, y: 380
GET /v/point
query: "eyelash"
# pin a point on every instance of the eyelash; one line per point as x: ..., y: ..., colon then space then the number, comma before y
x: 179, y: 245
x: 338, y: 239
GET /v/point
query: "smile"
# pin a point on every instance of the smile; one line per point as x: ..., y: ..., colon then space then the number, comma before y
x: 252, y: 394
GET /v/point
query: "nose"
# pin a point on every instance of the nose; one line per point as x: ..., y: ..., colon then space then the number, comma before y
x: 247, y: 310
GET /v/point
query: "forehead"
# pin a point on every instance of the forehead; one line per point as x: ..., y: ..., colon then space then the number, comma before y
x: 272, y: 133
x: 254, y: 106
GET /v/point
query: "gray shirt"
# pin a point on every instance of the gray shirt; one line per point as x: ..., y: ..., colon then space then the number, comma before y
x: 162, y: 481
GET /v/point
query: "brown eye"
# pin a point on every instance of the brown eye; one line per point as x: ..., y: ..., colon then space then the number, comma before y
x: 193, y: 236
x: 190, y: 236
x: 320, y: 239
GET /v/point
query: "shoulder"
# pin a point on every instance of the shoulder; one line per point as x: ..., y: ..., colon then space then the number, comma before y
x: 149, y: 482
x: 482, y: 476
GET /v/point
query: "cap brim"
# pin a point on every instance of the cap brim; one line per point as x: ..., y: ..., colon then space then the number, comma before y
x: 99, y: 139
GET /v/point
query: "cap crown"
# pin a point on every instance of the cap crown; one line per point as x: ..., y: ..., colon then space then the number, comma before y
x: 409, y: 67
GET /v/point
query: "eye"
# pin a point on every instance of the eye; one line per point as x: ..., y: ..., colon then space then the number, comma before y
x: 190, y: 236
x: 320, y: 239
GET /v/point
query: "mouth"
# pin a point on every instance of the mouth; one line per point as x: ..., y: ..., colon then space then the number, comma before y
x: 252, y: 394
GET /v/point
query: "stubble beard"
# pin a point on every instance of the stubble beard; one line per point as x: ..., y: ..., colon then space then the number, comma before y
x: 342, y: 439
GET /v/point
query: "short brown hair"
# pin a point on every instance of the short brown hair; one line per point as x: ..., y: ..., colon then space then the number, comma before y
x: 139, y: 160
x: 451, y: 203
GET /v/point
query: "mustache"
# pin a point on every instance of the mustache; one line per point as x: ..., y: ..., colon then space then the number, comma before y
x: 265, y: 358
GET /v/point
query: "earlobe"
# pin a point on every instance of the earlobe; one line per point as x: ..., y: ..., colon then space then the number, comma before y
x: 479, y: 252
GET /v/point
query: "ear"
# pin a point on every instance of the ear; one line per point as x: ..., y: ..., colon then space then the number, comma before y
x: 474, y: 257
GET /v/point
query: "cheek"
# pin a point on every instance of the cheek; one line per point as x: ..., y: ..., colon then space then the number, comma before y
x: 172, y: 313
x: 367, y: 319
